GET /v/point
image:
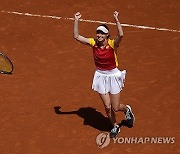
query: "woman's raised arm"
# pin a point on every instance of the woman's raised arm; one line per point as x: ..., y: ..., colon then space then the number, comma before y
x: 76, y: 30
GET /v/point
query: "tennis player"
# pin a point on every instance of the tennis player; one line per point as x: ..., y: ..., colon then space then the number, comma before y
x: 108, y: 79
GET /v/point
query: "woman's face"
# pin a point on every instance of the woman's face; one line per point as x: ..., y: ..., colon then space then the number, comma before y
x: 101, y: 37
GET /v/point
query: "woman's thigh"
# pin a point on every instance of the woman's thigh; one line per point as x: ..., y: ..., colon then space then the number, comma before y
x: 106, y: 100
x: 115, y: 101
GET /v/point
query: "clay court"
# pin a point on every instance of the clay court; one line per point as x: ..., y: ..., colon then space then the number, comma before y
x: 53, y: 70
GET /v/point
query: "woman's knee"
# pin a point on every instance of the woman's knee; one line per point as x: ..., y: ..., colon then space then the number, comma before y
x: 115, y: 108
x: 120, y: 107
x: 108, y: 108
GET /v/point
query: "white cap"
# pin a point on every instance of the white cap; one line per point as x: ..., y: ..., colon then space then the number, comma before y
x: 103, y: 29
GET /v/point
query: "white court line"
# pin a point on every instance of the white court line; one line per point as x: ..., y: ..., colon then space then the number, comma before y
x: 91, y: 21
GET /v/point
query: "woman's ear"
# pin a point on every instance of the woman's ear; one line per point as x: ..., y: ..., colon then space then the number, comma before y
x: 108, y: 35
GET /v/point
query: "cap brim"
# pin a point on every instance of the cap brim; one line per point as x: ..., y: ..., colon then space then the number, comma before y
x: 100, y: 31
x: 103, y: 29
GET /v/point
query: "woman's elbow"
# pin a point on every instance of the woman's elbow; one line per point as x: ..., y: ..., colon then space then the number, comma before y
x: 75, y: 36
x: 121, y: 35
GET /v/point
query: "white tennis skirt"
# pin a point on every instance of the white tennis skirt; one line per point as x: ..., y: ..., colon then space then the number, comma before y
x: 110, y: 81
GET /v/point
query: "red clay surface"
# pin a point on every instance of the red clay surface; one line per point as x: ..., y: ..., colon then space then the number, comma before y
x: 52, y: 69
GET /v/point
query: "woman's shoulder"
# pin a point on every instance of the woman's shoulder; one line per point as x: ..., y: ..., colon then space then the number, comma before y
x: 111, y: 42
x: 92, y: 41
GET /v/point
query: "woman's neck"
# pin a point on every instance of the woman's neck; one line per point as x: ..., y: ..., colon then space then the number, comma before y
x: 101, y: 44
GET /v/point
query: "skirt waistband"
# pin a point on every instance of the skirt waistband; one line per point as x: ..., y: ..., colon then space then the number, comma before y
x: 108, y: 72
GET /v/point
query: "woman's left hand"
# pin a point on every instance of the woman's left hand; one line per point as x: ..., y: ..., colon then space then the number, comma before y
x: 116, y: 14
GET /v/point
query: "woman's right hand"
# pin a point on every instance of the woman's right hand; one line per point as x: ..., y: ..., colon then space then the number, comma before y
x: 77, y: 16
